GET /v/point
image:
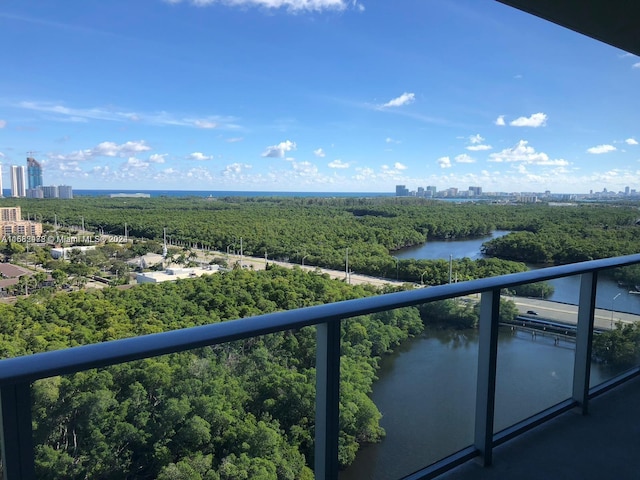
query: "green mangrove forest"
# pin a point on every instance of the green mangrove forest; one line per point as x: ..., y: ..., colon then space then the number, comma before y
x: 245, y: 410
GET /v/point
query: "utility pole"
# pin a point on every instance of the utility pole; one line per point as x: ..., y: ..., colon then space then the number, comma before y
x: 346, y: 266
x: 450, y: 266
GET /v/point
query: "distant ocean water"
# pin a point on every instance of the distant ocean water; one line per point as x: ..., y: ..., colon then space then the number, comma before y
x: 220, y: 193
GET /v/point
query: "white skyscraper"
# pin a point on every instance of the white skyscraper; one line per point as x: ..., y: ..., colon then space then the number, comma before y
x: 18, y: 181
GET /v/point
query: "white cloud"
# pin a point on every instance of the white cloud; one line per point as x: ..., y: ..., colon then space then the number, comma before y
x: 111, y: 149
x: 636, y: 65
x: 104, y: 149
x: 3, y: 123
x: 278, y: 151
x: 161, y: 118
x: 598, y: 149
x: 134, y: 162
x: 500, y: 121
x: 536, y: 120
x: 70, y: 167
x: 475, y: 139
x: 338, y: 164
x: 524, y: 153
x: 289, y: 5
x: 199, y: 156
x: 319, y: 153
x: 235, y: 169
x: 305, y: 169
x: 631, y: 141
x: 391, y: 140
x: 478, y: 148
x: 464, y: 158
x: 205, y: 124
x: 444, y: 162
x: 234, y: 139
x: 157, y: 158
x: 404, y: 99
x: 364, y: 173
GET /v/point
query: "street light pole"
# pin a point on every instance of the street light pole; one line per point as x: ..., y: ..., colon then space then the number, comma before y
x: 303, y: 259
x: 422, y: 277
x: 613, y: 300
x: 450, y: 266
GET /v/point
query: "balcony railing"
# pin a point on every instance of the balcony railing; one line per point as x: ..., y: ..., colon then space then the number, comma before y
x: 17, y: 374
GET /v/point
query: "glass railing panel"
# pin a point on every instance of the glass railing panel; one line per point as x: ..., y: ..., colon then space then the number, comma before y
x: 536, y: 351
x: 616, y: 342
x: 239, y: 410
x: 425, y: 392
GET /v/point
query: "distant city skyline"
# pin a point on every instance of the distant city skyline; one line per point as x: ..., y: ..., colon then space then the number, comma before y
x: 312, y: 97
x: 29, y: 183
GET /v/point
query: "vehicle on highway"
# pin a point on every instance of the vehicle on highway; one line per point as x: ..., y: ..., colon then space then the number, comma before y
x: 532, y: 312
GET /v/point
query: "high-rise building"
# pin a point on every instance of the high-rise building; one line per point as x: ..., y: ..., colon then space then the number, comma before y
x: 65, y: 191
x: 18, y: 184
x: 34, y: 173
x: 50, y: 191
x: 402, y: 191
x: 35, y: 193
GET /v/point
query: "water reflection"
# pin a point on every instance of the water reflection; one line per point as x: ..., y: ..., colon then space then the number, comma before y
x: 426, y: 393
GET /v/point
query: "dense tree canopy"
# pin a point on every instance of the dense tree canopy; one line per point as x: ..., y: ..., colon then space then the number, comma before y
x: 321, y: 229
x: 239, y: 410
x: 245, y: 409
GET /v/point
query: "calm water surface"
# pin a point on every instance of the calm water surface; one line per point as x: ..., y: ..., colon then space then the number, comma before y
x: 566, y: 289
x: 426, y: 393
x: 434, y: 250
x: 426, y: 390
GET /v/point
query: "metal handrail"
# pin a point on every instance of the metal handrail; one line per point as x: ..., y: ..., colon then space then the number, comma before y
x: 17, y: 374
x: 61, y: 362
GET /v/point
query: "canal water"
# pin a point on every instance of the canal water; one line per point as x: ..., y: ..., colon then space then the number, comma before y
x: 426, y: 389
x: 426, y: 393
x: 566, y: 289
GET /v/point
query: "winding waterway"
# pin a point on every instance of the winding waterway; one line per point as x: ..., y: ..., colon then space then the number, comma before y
x: 426, y: 389
x: 565, y: 289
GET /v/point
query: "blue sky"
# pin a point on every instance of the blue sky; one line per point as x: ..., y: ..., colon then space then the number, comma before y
x: 313, y: 95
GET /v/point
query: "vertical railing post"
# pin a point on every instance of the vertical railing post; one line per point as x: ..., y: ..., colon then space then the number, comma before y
x: 16, y: 433
x: 584, y: 338
x: 487, y: 361
x: 327, y: 400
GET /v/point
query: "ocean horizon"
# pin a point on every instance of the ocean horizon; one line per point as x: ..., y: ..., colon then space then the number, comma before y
x: 227, y: 193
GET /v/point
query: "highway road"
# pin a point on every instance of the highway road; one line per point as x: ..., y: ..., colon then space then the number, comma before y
x: 545, y: 309
x: 565, y: 313
x: 259, y: 264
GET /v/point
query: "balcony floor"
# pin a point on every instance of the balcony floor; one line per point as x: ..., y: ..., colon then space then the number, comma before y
x: 603, y: 444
